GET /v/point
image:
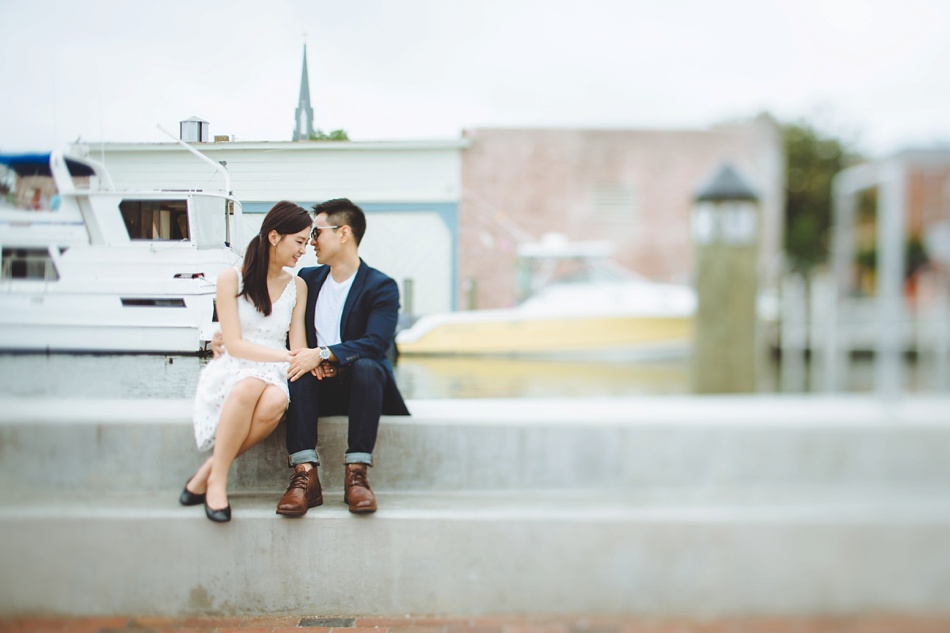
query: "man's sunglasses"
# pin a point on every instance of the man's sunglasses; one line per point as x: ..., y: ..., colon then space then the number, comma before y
x: 315, y: 233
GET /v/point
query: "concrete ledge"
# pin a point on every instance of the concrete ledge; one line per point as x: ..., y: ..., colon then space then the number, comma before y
x: 576, y: 552
x: 694, y: 507
x: 710, y: 443
x: 736, y: 409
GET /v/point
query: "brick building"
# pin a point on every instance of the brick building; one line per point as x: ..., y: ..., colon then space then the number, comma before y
x: 634, y: 188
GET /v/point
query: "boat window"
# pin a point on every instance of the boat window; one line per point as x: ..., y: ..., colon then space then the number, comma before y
x: 156, y: 219
x: 28, y: 263
x: 210, y: 216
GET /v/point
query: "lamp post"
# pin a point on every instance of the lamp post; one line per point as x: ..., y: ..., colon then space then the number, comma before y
x: 726, y: 221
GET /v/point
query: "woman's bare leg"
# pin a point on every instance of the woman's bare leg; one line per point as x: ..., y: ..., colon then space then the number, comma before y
x: 267, y: 415
x: 231, y: 434
x: 198, y: 483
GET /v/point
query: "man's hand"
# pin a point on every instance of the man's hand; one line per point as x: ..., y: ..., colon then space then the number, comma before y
x: 304, y: 360
x: 217, y: 345
x: 326, y: 369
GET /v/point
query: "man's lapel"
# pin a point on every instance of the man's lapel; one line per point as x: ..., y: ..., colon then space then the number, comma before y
x: 352, y: 297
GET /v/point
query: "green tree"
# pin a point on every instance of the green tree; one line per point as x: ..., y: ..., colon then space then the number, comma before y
x: 811, y: 162
x: 335, y: 135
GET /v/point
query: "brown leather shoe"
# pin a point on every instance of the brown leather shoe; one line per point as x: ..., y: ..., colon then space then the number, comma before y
x: 303, y: 493
x: 356, y: 490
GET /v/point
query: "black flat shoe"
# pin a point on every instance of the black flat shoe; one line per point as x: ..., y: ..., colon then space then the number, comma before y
x: 189, y: 498
x: 218, y: 516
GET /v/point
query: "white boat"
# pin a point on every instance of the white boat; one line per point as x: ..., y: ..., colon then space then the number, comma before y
x: 599, y: 312
x: 100, y: 270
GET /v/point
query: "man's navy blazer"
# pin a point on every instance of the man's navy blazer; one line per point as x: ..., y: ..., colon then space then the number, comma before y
x: 367, y: 326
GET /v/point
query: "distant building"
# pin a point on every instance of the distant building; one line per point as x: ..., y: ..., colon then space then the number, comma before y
x: 303, y: 115
x: 634, y: 188
x: 446, y: 217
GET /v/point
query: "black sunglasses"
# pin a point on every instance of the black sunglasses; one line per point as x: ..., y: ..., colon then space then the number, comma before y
x: 315, y: 233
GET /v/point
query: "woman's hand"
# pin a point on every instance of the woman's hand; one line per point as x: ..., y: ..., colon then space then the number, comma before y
x: 217, y: 345
x: 302, y: 361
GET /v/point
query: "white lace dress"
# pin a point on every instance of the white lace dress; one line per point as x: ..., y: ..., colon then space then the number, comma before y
x: 220, y: 374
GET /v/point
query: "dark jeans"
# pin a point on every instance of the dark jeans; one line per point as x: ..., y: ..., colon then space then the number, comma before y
x: 357, y: 392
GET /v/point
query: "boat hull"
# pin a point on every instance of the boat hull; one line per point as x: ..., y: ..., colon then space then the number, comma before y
x: 95, y: 338
x: 623, y: 337
x: 170, y: 324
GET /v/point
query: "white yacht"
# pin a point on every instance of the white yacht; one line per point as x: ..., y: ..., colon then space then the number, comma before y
x: 87, y: 268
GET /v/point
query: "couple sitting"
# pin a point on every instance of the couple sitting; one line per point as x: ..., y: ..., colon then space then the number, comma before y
x: 339, y: 319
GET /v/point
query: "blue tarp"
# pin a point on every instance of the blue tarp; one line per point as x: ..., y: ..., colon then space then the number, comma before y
x: 38, y: 165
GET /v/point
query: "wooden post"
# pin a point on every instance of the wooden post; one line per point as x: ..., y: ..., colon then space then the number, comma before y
x: 726, y: 223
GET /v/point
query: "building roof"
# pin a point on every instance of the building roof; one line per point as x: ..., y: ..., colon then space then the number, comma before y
x: 726, y: 184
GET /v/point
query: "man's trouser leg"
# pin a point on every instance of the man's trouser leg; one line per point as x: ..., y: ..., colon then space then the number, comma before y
x: 302, y: 420
x: 367, y: 378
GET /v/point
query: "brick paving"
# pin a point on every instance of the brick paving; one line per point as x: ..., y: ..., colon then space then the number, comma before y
x: 490, y: 624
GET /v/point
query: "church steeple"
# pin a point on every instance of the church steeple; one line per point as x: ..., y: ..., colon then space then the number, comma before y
x: 303, y: 116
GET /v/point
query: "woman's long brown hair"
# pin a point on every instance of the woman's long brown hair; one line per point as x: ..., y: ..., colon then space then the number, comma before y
x: 286, y: 218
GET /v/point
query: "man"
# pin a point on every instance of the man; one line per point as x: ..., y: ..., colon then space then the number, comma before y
x: 351, y: 323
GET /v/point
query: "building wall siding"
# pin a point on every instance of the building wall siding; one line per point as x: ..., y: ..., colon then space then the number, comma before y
x: 278, y: 171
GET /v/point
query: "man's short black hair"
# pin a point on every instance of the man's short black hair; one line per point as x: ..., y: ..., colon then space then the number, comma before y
x: 342, y: 212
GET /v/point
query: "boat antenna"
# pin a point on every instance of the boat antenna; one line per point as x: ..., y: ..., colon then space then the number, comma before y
x: 218, y: 166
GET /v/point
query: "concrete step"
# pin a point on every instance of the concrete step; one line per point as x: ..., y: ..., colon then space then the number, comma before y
x: 709, y: 443
x: 670, y: 553
x: 695, y: 507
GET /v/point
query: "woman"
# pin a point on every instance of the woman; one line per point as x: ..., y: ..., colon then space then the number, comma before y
x: 243, y: 394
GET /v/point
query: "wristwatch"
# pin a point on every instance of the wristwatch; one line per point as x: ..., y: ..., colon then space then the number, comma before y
x: 325, y: 353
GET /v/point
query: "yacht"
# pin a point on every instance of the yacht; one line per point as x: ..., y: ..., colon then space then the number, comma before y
x: 578, y: 304
x: 88, y: 268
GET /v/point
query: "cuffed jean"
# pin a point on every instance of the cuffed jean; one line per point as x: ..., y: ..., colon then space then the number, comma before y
x: 357, y: 392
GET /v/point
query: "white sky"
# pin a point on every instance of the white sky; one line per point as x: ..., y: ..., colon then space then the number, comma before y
x: 874, y: 72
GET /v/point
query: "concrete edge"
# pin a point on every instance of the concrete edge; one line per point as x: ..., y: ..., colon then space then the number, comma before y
x: 755, y: 410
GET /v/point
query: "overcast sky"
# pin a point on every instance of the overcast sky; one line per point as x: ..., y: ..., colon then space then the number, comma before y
x: 873, y: 72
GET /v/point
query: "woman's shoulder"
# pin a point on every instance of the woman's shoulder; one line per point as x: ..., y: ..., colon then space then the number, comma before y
x: 231, y: 276
x: 301, y: 285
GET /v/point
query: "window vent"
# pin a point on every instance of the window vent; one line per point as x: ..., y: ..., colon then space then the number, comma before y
x: 615, y: 203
